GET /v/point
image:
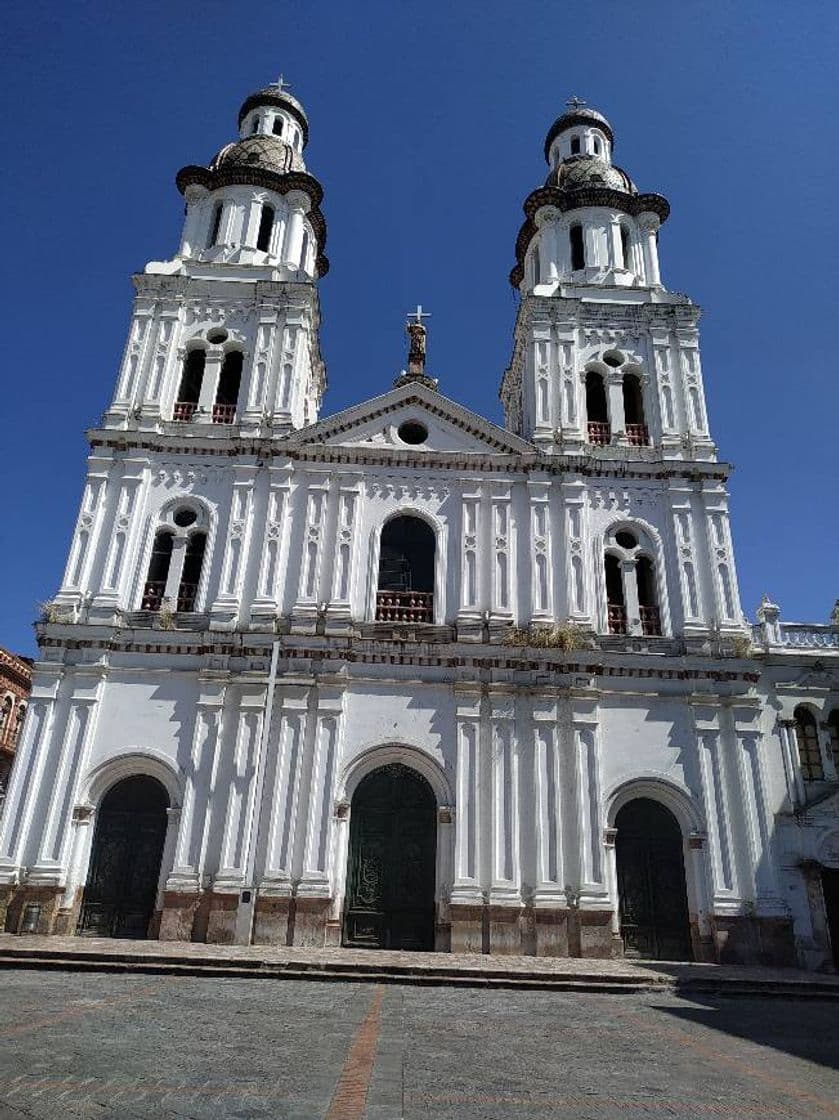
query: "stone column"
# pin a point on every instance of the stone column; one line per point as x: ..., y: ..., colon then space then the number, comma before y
x: 617, y: 418
x: 550, y: 905
x: 648, y: 224
x: 505, y: 884
x: 194, y: 196
x: 792, y: 763
x: 299, y: 205
x: 466, y: 906
x: 716, y: 783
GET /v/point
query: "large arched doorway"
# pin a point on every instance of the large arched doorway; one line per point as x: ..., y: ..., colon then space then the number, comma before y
x: 393, y: 848
x: 125, y: 859
x: 651, y: 882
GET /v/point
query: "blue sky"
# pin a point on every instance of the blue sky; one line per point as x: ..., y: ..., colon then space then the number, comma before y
x: 427, y: 123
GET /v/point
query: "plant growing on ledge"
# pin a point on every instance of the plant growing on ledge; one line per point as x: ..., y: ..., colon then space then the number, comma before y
x: 567, y: 635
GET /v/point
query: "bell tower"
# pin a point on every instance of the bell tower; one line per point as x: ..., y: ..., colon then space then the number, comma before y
x: 606, y: 380
x: 223, y: 356
x: 226, y: 332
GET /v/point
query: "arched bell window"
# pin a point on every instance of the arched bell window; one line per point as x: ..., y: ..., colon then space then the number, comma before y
x: 597, y: 410
x: 626, y: 247
x: 304, y: 248
x: 174, y: 573
x: 266, y: 228
x: 615, y: 599
x: 227, y: 393
x: 189, y: 390
x: 809, y: 750
x: 575, y: 145
x: 578, y: 249
x: 633, y: 411
x: 630, y: 579
x: 833, y: 728
x: 277, y: 127
x: 215, y: 225
x: 405, y: 590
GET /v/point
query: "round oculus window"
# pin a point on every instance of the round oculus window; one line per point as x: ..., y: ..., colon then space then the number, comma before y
x: 217, y: 336
x: 625, y: 539
x: 185, y: 517
x: 411, y: 431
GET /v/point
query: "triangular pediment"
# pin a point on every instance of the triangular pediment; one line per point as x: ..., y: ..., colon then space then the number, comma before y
x: 412, y: 418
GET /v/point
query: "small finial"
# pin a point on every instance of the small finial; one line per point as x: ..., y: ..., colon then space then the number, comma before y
x: 575, y: 103
x: 281, y: 84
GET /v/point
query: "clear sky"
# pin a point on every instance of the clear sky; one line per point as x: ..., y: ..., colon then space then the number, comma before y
x: 427, y: 123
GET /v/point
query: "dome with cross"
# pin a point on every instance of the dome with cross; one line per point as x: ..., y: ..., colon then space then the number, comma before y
x: 277, y: 95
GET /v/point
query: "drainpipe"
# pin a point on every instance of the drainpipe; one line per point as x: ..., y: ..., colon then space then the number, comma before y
x: 246, y: 913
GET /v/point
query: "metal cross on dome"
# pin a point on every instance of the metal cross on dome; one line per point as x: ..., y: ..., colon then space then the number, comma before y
x: 281, y: 84
x: 574, y: 103
x: 419, y: 314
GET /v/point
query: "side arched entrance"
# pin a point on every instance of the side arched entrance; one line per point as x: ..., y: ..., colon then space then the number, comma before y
x: 125, y: 859
x: 392, y: 861
x: 652, y: 891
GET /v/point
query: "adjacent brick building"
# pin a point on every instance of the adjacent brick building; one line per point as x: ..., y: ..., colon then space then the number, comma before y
x: 15, y: 686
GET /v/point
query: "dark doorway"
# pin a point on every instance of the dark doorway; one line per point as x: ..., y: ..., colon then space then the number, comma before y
x: 393, y: 847
x: 830, y: 888
x: 125, y: 860
x: 651, y: 882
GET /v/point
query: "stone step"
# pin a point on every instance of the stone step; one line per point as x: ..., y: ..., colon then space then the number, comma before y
x: 606, y: 978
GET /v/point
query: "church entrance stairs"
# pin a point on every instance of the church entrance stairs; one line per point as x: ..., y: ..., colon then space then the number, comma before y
x: 390, y: 966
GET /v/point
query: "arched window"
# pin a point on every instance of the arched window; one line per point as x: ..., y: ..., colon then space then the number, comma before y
x: 215, y: 225
x: 304, y: 248
x: 575, y: 145
x: 633, y: 411
x: 626, y: 247
x: 277, y: 127
x: 254, y: 126
x: 6, y: 714
x: 406, y: 571
x: 833, y: 728
x: 20, y: 715
x: 615, y: 601
x: 578, y: 249
x: 227, y: 394
x: 537, y: 265
x: 597, y: 412
x: 161, y: 558
x: 266, y: 228
x: 191, y: 575
x: 596, y: 144
x: 647, y: 598
x: 809, y: 751
x: 189, y: 390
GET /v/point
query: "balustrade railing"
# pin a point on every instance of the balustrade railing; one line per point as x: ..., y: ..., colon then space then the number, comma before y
x: 187, y: 594
x: 617, y: 618
x: 637, y: 435
x: 404, y: 606
x: 153, y: 594
x: 798, y: 635
x: 599, y: 433
x: 650, y: 621
x: 224, y: 413
x: 184, y: 410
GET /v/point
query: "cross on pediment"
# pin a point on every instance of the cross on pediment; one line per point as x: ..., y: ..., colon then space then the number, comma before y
x: 575, y: 103
x: 281, y: 84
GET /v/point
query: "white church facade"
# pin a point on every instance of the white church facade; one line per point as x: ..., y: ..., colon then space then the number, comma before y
x: 401, y: 677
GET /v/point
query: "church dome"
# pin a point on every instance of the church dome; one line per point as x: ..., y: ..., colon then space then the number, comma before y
x: 579, y: 115
x: 280, y: 99
x: 263, y: 153
x: 581, y: 172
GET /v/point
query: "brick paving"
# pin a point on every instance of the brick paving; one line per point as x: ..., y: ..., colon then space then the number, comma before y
x: 81, y: 1045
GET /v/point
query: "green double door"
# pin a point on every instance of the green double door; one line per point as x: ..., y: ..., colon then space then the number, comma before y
x: 393, y: 844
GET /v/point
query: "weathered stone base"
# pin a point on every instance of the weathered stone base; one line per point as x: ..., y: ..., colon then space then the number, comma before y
x: 221, y: 917
x: 741, y: 939
x: 590, y: 935
x: 533, y: 931
x: 550, y: 928
x: 177, y: 920
x: 467, y: 928
x: 16, y: 900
